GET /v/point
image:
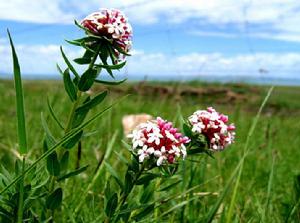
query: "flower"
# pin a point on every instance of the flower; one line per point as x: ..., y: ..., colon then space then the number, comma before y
x: 112, y: 24
x: 159, y: 140
x: 214, y: 126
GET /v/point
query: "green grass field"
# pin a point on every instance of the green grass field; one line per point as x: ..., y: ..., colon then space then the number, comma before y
x: 266, y: 191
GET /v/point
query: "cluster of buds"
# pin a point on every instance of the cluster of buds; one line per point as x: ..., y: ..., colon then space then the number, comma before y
x: 112, y: 24
x: 159, y: 140
x: 214, y: 126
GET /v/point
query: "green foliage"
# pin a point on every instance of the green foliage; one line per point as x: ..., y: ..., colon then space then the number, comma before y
x: 19, y: 100
x: 54, y: 200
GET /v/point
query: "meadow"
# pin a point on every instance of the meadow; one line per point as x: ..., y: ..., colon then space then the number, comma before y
x: 268, y: 188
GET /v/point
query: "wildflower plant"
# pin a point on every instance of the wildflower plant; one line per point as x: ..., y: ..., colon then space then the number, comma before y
x: 36, y: 190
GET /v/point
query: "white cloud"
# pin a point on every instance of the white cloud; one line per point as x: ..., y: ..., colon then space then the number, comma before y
x: 34, y: 59
x: 275, y: 19
x: 41, y: 60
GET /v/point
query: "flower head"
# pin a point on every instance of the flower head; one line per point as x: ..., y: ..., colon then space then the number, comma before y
x: 112, y: 24
x: 159, y: 140
x: 214, y: 126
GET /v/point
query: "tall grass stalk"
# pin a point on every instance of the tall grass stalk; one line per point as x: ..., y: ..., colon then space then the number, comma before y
x: 21, y: 124
x: 246, y: 150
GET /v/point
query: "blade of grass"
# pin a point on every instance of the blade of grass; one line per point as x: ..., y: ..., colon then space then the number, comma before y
x: 246, y: 149
x: 270, y: 183
x: 21, y: 123
x: 19, y: 100
x: 211, y: 214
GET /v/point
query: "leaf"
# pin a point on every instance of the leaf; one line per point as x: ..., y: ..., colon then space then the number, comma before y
x: 73, y: 140
x: 134, y: 165
x: 69, y: 86
x: 70, y: 66
x: 80, y: 116
x: 82, y: 60
x: 107, y: 191
x: 87, y: 79
x: 73, y: 173
x: 53, y: 114
x: 64, y: 161
x: 118, y: 48
x: 111, y: 205
x: 146, y: 211
x: 187, y: 130
x: 103, y: 56
x: 92, y: 103
x: 110, y: 82
x: 146, y: 178
x: 86, y: 58
x: 55, y: 199
x: 148, y: 192
x: 112, y: 67
x: 81, y: 41
x: 53, y: 165
x: 50, y: 140
x: 19, y: 100
x: 166, y: 188
x: 129, y: 180
x: 114, y: 174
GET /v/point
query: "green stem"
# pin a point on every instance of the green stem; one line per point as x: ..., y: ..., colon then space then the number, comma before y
x: 21, y: 193
x: 79, y: 94
x: 72, y: 114
x: 124, y: 195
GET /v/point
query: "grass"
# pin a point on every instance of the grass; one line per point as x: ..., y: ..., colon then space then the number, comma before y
x: 265, y: 192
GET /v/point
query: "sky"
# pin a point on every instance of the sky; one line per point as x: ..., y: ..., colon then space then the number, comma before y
x: 172, y: 38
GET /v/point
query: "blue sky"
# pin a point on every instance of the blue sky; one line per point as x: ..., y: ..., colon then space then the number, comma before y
x: 171, y: 37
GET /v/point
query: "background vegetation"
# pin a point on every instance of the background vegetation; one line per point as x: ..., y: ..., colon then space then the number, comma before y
x: 268, y: 189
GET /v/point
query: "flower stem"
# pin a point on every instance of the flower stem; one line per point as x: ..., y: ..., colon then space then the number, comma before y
x: 21, y: 193
x: 124, y: 195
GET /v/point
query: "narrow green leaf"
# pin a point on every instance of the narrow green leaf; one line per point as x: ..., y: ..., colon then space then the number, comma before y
x: 73, y: 173
x: 69, y: 85
x: 87, y: 79
x: 55, y: 199
x: 50, y: 140
x: 110, y: 82
x: 166, y: 188
x: 80, y: 116
x: 52, y: 113
x: 70, y: 66
x: 129, y: 180
x: 53, y: 165
x: 114, y: 174
x: 19, y: 99
x: 145, y: 179
x: 112, y: 67
x: 118, y: 48
x: 64, y: 161
x: 147, y: 194
x: 73, y: 141
x: 92, y: 103
x: 187, y: 130
x: 82, y: 60
x: 111, y: 205
x: 146, y: 211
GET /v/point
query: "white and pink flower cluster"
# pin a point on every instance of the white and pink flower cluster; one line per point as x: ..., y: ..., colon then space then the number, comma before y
x: 214, y: 126
x: 112, y: 24
x: 158, y: 139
